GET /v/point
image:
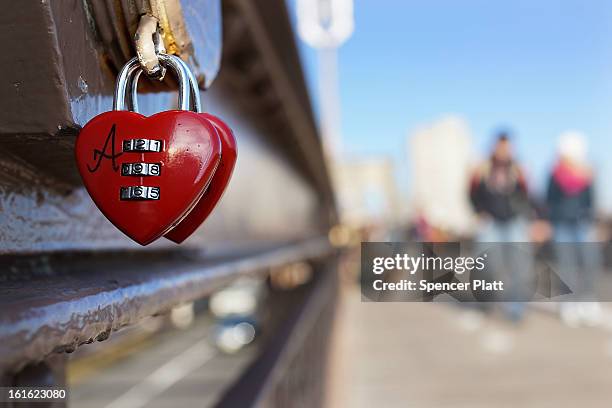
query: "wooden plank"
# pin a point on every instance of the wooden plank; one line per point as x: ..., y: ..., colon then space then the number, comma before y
x: 57, y: 303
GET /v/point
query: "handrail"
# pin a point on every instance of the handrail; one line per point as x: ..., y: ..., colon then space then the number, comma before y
x: 80, y: 301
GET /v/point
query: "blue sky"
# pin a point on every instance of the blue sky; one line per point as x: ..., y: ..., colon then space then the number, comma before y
x: 538, y: 67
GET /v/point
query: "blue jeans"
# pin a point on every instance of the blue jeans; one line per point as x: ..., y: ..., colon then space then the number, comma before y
x: 510, y: 263
x: 578, y: 260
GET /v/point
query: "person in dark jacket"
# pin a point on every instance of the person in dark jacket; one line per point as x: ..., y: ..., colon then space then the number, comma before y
x: 498, y: 189
x: 498, y: 192
x: 570, y: 211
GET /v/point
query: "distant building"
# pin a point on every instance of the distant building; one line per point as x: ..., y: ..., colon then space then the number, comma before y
x: 440, y: 156
x: 366, y: 191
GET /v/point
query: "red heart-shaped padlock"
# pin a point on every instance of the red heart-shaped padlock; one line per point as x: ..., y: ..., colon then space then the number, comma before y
x: 146, y: 173
x: 217, y: 186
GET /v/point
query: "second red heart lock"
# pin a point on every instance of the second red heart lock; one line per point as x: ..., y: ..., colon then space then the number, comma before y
x: 223, y: 174
x: 217, y: 186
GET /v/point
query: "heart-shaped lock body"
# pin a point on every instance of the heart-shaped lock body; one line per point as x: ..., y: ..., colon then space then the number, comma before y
x: 146, y: 173
x: 217, y: 186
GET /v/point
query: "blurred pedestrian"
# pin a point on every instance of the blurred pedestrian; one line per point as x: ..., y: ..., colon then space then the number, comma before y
x: 498, y: 193
x: 570, y: 209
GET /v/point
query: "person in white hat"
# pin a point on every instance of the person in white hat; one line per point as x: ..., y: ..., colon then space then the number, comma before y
x: 570, y: 210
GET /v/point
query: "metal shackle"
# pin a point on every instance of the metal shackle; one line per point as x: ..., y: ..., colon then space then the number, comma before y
x: 193, y: 84
x: 131, y: 72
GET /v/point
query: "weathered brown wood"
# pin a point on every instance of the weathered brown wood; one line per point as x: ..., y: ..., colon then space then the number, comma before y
x: 32, y: 87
